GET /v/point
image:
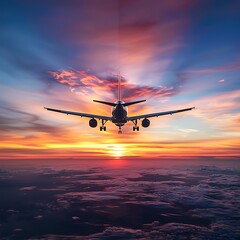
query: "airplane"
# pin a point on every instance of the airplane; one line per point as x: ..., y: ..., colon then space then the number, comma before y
x: 119, y: 113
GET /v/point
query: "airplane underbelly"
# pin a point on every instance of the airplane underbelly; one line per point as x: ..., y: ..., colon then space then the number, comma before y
x: 119, y: 115
x: 119, y: 119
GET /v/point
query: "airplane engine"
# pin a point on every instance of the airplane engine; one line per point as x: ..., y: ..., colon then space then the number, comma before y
x: 145, y: 122
x: 92, y: 123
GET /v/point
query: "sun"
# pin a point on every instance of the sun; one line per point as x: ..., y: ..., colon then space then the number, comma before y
x: 116, y: 150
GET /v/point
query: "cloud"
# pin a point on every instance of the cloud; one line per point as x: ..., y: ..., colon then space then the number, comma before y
x: 235, y: 123
x: 29, y: 188
x: 160, y: 207
x: 12, y: 211
x: 188, y: 130
x: 27, y: 122
x: 118, y: 233
x: 84, y: 82
x: 18, y: 230
x: 219, y: 110
x: 232, y: 66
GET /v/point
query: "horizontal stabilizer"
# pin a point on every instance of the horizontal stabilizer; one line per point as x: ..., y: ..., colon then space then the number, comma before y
x: 106, y: 103
x: 131, y: 103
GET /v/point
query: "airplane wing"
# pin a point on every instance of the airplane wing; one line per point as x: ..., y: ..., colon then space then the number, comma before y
x: 80, y: 114
x: 158, y: 114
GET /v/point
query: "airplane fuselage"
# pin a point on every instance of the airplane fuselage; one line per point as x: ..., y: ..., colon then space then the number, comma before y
x: 119, y: 114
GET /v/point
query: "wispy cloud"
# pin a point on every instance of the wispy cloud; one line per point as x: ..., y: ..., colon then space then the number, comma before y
x: 84, y: 82
x: 232, y: 66
x: 188, y: 130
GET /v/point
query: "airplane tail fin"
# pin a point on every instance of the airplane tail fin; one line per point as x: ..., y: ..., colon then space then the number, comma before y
x: 119, y: 96
x: 131, y: 103
x: 119, y: 87
x: 119, y: 93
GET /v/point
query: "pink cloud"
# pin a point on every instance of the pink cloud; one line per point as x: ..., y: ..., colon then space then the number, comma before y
x: 80, y: 81
x: 220, y: 112
x: 27, y: 188
x: 219, y: 104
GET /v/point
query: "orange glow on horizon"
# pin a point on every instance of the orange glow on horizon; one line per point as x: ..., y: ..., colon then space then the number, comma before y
x: 217, y: 148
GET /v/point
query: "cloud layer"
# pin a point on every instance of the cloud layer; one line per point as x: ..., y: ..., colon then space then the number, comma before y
x: 133, y: 201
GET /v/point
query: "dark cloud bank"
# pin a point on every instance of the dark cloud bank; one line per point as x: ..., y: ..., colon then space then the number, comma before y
x: 118, y: 203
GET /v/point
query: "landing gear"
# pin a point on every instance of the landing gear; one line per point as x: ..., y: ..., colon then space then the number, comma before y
x: 135, y: 127
x: 103, y: 128
x: 119, y: 130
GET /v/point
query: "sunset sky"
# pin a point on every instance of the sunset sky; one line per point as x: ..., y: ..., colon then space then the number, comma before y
x: 175, y: 54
